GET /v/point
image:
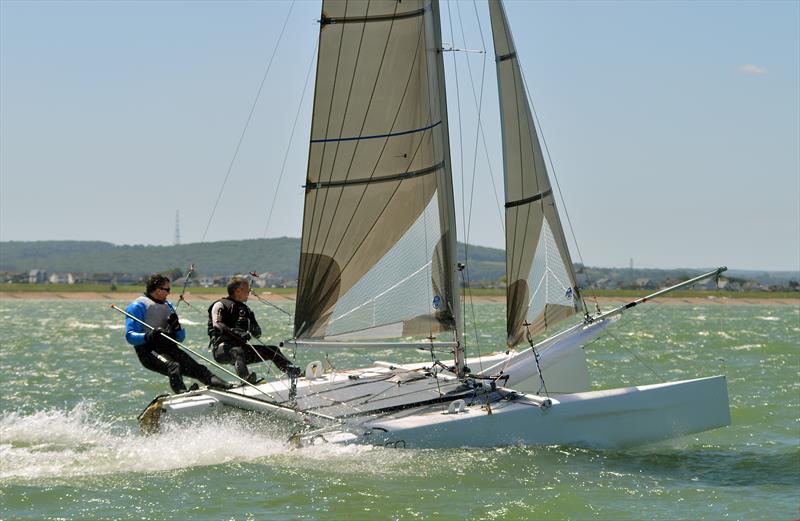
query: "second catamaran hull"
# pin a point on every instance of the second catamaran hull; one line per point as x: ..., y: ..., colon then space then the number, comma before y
x: 612, y: 419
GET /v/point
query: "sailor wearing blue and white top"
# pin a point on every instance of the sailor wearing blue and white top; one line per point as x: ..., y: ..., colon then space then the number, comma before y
x: 155, y: 351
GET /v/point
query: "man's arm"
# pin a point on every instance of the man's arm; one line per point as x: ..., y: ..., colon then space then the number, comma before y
x: 219, y: 325
x: 134, y: 331
x: 180, y: 334
x: 255, y: 329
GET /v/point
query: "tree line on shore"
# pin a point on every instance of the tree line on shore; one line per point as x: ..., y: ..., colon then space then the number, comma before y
x: 276, y: 262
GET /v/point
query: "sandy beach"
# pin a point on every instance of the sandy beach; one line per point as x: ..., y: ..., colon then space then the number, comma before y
x: 124, y: 297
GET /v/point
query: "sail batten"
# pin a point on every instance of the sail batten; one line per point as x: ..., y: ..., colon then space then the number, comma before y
x: 374, y: 179
x: 541, y: 289
x: 325, y: 20
x: 390, y: 134
x: 528, y: 200
x: 375, y: 250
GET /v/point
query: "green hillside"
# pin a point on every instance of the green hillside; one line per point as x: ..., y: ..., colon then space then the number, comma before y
x: 279, y: 256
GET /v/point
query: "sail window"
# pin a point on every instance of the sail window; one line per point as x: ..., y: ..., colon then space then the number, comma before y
x: 549, y: 280
x: 398, y: 287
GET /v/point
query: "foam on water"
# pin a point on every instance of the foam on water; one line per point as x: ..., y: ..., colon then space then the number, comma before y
x: 58, y: 443
x: 76, y: 442
x: 74, y: 324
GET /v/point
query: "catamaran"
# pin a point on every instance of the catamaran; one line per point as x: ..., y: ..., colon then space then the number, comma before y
x: 378, y: 269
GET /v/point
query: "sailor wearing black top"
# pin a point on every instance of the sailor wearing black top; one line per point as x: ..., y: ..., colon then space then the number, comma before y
x: 231, y: 323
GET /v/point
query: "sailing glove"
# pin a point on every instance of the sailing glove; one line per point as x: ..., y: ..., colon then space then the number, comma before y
x: 243, y: 335
x: 174, y: 324
x: 153, y: 334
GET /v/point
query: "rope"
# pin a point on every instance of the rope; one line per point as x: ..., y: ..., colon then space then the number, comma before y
x: 253, y: 276
x: 627, y: 324
x: 183, y: 291
x: 536, y: 357
x: 247, y: 122
x: 555, y: 177
x: 291, y: 139
x: 633, y: 353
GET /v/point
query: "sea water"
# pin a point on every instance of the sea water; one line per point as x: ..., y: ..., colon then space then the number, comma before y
x: 70, y: 447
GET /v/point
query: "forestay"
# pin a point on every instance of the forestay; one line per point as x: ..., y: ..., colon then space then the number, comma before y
x: 378, y: 243
x: 541, y: 281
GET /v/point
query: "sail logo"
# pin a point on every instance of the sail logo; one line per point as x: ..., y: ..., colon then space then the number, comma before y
x: 568, y: 294
x: 437, y: 302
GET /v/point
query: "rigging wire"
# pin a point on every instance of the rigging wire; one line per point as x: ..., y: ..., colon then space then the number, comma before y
x: 291, y: 139
x: 270, y: 304
x: 642, y: 314
x: 536, y: 357
x: 636, y: 356
x: 183, y: 290
x: 479, y: 110
x: 461, y: 166
x: 247, y: 122
x: 434, y: 361
x: 554, y: 175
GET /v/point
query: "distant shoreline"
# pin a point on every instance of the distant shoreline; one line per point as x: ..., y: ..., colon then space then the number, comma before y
x: 113, y: 297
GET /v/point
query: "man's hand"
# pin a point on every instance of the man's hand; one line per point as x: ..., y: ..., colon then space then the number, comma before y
x: 174, y: 324
x: 153, y: 334
x: 243, y: 335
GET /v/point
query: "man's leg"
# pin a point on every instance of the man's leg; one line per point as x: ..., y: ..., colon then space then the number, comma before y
x: 233, y: 354
x: 268, y: 353
x: 155, y: 358
x: 194, y: 369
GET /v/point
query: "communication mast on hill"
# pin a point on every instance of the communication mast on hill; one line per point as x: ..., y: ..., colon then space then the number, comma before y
x: 177, y: 227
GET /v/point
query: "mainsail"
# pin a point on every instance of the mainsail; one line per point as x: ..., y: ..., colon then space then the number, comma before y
x: 541, y: 281
x: 378, y: 242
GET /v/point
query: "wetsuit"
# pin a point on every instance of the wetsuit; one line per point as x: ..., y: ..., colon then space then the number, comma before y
x: 160, y: 354
x: 230, y: 325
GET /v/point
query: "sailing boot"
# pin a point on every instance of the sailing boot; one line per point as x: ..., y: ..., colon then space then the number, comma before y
x: 177, y: 385
x: 175, y: 378
x: 218, y: 383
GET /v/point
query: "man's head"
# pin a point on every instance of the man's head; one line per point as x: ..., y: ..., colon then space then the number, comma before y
x: 158, y: 287
x: 239, y: 289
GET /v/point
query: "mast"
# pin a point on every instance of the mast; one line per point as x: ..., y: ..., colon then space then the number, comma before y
x: 446, y: 197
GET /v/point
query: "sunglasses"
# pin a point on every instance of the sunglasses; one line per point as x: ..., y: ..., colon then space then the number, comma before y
x: 166, y: 289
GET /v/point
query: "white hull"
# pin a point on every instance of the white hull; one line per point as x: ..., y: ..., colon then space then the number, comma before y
x: 615, y: 418
x: 406, y: 406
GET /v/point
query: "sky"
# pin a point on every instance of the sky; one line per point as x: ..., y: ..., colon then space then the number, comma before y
x: 673, y: 127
